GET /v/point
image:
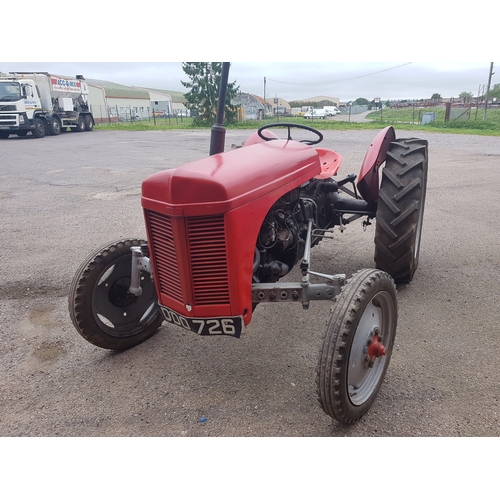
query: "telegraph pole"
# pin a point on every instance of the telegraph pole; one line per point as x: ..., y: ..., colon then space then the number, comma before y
x: 488, y: 90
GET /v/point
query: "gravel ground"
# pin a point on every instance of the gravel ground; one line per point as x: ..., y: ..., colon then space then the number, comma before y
x: 62, y: 197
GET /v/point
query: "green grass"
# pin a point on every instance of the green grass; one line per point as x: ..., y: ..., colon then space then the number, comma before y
x: 407, y: 118
x: 411, y: 118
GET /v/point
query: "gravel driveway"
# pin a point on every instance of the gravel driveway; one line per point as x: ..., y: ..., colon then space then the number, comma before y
x: 62, y: 197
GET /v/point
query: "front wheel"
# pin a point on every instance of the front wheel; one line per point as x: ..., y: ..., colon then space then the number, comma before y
x: 100, y: 305
x: 357, y: 345
x: 39, y: 131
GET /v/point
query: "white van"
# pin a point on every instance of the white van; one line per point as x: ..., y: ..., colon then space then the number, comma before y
x: 331, y: 110
x: 319, y: 114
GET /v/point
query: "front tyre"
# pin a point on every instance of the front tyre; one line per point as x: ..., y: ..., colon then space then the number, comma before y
x: 357, y: 346
x: 100, y: 305
x: 39, y: 131
x: 400, y: 209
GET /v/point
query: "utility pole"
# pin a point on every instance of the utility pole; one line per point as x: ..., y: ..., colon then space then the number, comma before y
x: 488, y: 90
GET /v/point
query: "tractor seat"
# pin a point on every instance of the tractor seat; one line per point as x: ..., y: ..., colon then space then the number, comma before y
x: 330, y: 163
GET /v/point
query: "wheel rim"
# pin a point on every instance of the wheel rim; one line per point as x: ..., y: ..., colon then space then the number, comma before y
x: 116, y: 311
x: 377, y: 320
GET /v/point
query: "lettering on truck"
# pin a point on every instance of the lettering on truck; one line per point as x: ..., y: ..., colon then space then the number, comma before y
x: 66, y: 85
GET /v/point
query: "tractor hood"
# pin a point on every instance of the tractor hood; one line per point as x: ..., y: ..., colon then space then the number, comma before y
x: 225, y: 181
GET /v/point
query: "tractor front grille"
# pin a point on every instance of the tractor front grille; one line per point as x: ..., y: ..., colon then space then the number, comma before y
x: 207, y: 251
x: 163, y: 249
x: 205, y: 262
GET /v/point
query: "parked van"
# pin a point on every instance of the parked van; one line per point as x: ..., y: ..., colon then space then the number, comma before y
x: 319, y: 114
x: 331, y: 110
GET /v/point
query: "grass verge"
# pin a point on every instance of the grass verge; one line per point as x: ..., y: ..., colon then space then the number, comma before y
x: 409, y: 119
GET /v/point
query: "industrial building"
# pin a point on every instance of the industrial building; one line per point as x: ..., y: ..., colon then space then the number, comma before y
x: 115, y: 102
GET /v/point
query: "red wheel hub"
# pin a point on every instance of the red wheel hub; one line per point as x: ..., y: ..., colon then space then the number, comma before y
x: 376, y: 349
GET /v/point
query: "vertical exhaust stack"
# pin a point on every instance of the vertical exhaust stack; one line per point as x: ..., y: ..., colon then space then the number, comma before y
x: 218, y: 135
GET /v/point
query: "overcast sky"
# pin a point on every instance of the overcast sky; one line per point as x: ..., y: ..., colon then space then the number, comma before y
x: 349, y: 33
x: 295, y: 80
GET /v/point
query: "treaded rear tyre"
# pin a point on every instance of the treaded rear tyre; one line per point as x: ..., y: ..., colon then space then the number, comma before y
x: 400, y: 208
x: 364, y: 313
x: 101, y: 308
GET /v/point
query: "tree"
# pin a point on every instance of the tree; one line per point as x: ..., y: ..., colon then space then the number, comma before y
x: 495, y: 91
x: 436, y: 98
x: 204, y: 92
x: 361, y: 101
x: 465, y: 96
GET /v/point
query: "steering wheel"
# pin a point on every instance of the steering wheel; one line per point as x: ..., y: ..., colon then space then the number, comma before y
x: 289, y: 126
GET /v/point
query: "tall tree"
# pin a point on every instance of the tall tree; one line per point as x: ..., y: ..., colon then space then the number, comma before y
x: 203, y: 92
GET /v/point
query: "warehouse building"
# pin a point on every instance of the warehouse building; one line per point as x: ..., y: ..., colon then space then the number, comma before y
x: 112, y: 102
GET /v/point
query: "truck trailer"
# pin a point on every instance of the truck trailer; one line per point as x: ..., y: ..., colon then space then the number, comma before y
x: 42, y: 104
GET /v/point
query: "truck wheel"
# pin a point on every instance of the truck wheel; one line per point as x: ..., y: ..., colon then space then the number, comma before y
x: 357, y: 346
x: 55, y: 127
x: 80, y: 125
x: 4, y: 135
x: 100, y: 305
x: 39, y: 131
x: 400, y: 208
x: 89, y: 123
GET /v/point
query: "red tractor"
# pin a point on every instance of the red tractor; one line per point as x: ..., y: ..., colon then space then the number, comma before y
x: 223, y: 231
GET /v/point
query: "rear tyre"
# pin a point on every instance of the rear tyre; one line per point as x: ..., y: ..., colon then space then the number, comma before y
x: 89, y: 123
x: 80, y: 125
x: 39, y: 131
x: 400, y: 209
x: 100, y: 305
x: 357, y: 346
x: 55, y: 127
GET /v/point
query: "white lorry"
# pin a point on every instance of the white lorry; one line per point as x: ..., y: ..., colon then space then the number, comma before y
x: 42, y: 104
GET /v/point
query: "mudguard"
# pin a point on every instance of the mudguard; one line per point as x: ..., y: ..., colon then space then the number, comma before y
x: 368, y: 180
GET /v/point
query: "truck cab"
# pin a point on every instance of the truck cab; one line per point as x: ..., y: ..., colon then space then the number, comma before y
x: 18, y: 102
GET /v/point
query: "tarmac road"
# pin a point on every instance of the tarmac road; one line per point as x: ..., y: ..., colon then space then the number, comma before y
x: 62, y: 197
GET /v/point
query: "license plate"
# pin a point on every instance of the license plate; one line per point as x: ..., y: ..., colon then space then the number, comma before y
x: 232, y: 326
x: 4, y: 126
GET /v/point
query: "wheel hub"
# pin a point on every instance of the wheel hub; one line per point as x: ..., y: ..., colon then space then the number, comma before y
x: 375, y: 347
x: 119, y: 295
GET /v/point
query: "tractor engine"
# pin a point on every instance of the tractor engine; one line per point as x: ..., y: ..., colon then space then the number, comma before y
x: 281, y: 239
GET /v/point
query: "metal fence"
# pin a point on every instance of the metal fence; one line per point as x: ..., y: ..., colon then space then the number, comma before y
x: 114, y: 114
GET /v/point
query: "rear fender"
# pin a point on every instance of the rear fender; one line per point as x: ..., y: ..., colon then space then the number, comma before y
x: 368, y: 180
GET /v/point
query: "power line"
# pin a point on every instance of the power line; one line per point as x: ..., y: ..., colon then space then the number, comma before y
x: 342, y: 80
